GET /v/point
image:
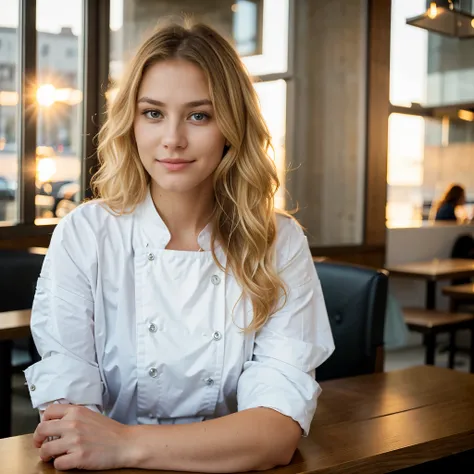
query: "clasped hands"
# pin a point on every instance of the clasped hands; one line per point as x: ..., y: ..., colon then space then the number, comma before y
x: 86, y: 439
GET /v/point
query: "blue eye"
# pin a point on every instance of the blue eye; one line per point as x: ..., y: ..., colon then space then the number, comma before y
x: 199, y: 117
x: 152, y: 114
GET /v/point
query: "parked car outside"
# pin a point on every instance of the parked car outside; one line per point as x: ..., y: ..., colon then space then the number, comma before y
x: 7, y: 195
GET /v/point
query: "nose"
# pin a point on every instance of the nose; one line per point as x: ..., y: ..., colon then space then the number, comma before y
x: 174, y: 135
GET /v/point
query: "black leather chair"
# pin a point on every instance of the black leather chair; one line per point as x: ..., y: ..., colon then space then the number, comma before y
x: 356, y: 300
x: 19, y: 272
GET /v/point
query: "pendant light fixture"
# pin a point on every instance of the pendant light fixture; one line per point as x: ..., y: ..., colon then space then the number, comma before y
x: 445, y: 18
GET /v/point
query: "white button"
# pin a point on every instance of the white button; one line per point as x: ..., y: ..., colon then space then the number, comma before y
x: 215, y: 279
x: 153, y: 372
x: 151, y: 256
x: 152, y: 327
x: 217, y: 336
x: 209, y: 382
x: 33, y: 388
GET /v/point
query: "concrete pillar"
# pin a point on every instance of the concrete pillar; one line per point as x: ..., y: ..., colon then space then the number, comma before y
x: 328, y: 141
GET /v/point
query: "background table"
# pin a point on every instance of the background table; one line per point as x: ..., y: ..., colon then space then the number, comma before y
x: 459, y: 294
x: 369, y: 424
x: 432, y: 271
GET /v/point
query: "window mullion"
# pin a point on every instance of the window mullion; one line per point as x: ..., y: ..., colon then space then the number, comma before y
x: 27, y: 112
x: 95, y: 80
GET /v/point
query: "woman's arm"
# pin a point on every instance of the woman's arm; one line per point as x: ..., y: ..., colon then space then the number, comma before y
x: 255, y: 439
x: 62, y: 321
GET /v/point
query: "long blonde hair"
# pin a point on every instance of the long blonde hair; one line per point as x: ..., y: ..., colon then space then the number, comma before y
x: 245, y: 182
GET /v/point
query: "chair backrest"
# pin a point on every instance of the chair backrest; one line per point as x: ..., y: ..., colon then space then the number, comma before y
x: 19, y: 272
x: 356, y: 300
x: 463, y: 248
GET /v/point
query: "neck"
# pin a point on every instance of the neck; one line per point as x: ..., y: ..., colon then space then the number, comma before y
x: 184, y: 213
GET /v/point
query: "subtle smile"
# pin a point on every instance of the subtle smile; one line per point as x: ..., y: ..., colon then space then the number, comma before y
x: 175, y: 165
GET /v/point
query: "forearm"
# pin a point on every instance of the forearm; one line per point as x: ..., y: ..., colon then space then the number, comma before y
x: 255, y: 439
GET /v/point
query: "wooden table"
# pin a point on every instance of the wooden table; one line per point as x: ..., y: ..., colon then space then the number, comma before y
x: 432, y: 271
x: 459, y: 294
x: 13, y: 325
x: 430, y: 323
x: 366, y: 425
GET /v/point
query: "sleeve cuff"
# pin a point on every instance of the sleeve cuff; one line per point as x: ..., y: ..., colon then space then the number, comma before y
x: 62, y: 401
x: 61, y: 377
x: 267, y: 387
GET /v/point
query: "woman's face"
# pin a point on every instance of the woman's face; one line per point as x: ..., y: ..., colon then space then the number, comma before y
x: 178, y: 140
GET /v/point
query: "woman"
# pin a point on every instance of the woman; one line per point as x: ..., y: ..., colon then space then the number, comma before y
x: 180, y: 296
x: 453, y: 198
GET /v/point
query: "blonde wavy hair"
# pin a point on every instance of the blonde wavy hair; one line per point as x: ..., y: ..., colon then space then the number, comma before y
x: 245, y: 182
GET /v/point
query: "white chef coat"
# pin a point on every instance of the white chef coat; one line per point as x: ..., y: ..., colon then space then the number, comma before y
x: 153, y: 336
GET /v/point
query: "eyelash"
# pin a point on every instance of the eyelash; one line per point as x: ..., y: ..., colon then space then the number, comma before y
x: 205, y: 115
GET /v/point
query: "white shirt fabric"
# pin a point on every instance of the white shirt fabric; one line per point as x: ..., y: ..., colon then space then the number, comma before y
x: 153, y: 336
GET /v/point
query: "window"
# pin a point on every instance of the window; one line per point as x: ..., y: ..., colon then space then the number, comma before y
x: 9, y: 173
x: 257, y: 27
x: 272, y: 95
x: 431, y: 132
x: 59, y: 102
x: 247, y: 26
x: 274, y: 54
x: 425, y: 156
x: 428, y: 68
x: 47, y: 128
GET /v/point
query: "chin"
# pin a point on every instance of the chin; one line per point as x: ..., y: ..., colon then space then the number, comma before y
x: 176, y: 185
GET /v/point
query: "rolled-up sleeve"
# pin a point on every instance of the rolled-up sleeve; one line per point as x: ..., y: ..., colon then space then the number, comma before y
x: 293, y: 342
x: 62, y: 321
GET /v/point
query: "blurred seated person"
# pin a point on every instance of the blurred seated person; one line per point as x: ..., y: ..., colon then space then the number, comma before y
x: 450, y: 206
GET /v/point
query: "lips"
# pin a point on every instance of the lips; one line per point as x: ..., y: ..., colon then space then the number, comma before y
x: 175, y: 161
x: 175, y: 164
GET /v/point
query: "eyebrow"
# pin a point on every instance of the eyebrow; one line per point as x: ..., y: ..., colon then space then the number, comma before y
x: 194, y: 103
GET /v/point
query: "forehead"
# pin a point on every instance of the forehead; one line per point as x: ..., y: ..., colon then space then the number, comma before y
x: 174, y: 80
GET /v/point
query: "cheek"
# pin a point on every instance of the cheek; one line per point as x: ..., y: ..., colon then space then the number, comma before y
x: 213, y: 144
x: 143, y: 136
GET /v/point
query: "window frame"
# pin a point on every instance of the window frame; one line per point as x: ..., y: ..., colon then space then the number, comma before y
x: 94, y: 77
x: 288, y: 77
x: 259, y: 5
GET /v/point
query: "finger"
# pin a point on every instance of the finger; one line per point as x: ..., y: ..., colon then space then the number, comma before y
x: 37, y: 438
x: 46, y: 429
x: 54, y: 448
x: 67, y: 461
x: 56, y: 411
